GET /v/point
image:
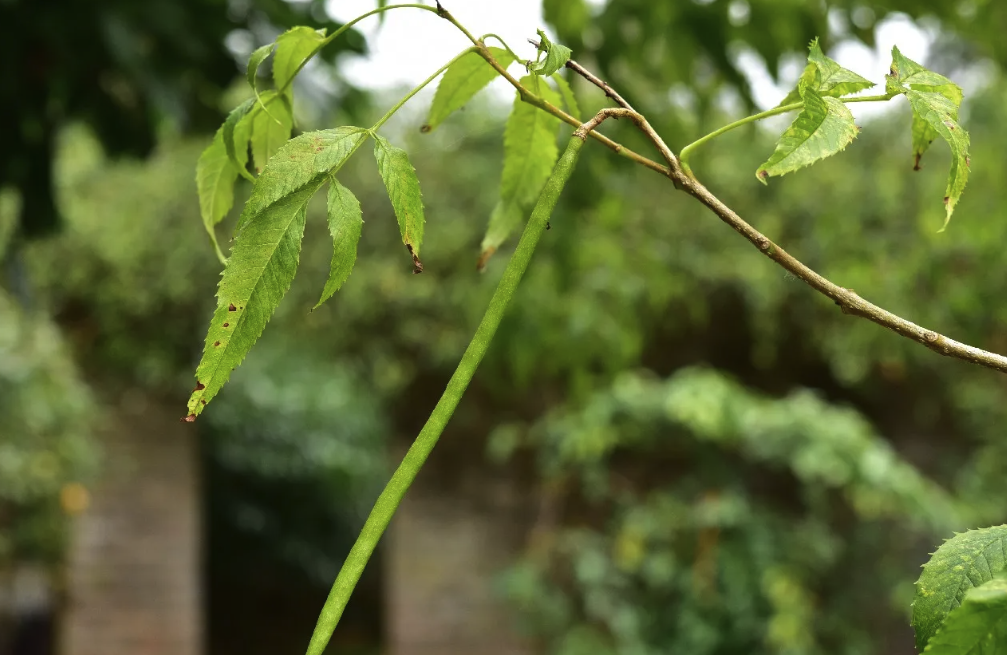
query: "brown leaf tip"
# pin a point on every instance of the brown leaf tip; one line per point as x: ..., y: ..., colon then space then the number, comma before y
x: 191, y: 418
x: 232, y: 308
x: 425, y: 128
x: 417, y: 264
x: 916, y: 163
x: 484, y: 258
x: 764, y: 174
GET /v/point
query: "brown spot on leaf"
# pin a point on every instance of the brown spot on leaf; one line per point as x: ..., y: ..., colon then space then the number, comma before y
x: 191, y: 418
x: 232, y: 308
x: 202, y: 400
x: 485, y: 257
x: 227, y: 325
x: 216, y: 343
x: 417, y: 264
x: 968, y: 161
x: 946, y: 200
x: 199, y: 386
x: 548, y: 225
x: 763, y: 174
x: 425, y: 128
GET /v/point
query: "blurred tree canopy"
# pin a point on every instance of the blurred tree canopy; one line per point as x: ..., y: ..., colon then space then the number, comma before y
x: 735, y: 459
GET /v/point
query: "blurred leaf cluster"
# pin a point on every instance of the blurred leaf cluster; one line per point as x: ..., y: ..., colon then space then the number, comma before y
x: 46, y: 455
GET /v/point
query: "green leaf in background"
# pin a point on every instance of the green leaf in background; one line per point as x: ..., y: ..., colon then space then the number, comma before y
x: 345, y: 223
x: 965, y: 561
x: 252, y: 72
x: 978, y: 626
x: 216, y: 173
x: 270, y: 129
x: 235, y: 140
x: 292, y: 48
x: 569, y: 99
x: 529, y: 154
x: 266, y: 249
x: 826, y: 76
x: 940, y: 116
x: 506, y: 218
x: 824, y: 127
x: 556, y: 56
x: 462, y: 80
x: 403, y: 189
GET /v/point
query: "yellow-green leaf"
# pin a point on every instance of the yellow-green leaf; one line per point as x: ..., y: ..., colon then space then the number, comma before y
x: 293, y: 47
x: 940, y: 116
x: 462, y: 80
x: 270, y: 129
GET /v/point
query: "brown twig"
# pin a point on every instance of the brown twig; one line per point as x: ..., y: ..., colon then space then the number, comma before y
x: 848, y: 301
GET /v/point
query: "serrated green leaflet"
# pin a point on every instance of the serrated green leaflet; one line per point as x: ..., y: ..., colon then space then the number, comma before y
x: 293, y: 47
x: 271, y: 129
x: 462, y: 80
x: 299, y: 162
x: 266, y: 249
x: 556, y: 56
x: 824, y: 127
x: 978, y: 626
x: 565, y: 92
x: 234, y: 145
x: 826, y: 76
x: 252, y: 71
x: 529, y: 154
x: 258, y: 274
x: 965, y: 561
x: 940, y: 115
x: 836, y: 81
x: 906, y: 72
x: 344, y: 225
x: 403, y: 189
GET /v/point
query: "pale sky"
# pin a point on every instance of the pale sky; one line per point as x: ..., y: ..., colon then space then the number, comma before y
x: 411, y: 44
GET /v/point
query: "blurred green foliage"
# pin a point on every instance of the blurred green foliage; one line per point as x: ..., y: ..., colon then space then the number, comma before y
x: 771, y: 464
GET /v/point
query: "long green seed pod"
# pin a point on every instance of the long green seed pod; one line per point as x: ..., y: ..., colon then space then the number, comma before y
x: 388, y: 501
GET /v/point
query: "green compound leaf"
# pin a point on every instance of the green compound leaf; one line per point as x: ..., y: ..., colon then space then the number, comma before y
x: 827, y: 77
x: 235, y: 140
x: 529, y: 154
x: 906, y: 72
x: 940, y: 116
x: 260, y: 54
x: 345, y: 222
x: 462, y: 80
x: 965, y: 561
x: 265, y: 254
x: 293, y: 47
x: 978, y: 626
x: 403, y: 189
x: 556, y: 56
x: 824, y: 127
x: 271, y: 129
x: 569, y: 99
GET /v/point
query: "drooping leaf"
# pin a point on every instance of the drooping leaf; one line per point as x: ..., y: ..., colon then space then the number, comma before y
x: 252, y: 72
x: 403, y: 189
x: 556, y: 56
x: 569, y: 99
x: 462, y: 80
x: 965, y: 561
x: 940, y: 116
x: 215, y: 176
x: 529, y: 154
x: 506, y: 218
x: 836, y: 81
x: 265, y: 253
x: 824, y: 127
x: 237, y: 148
x: 978, y: 626
x: 292, y: 48
x: 270, y: 129
x: 345, y: 222
x: 826, y: 76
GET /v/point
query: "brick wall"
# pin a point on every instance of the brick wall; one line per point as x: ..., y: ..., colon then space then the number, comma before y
x: 133, y: 570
